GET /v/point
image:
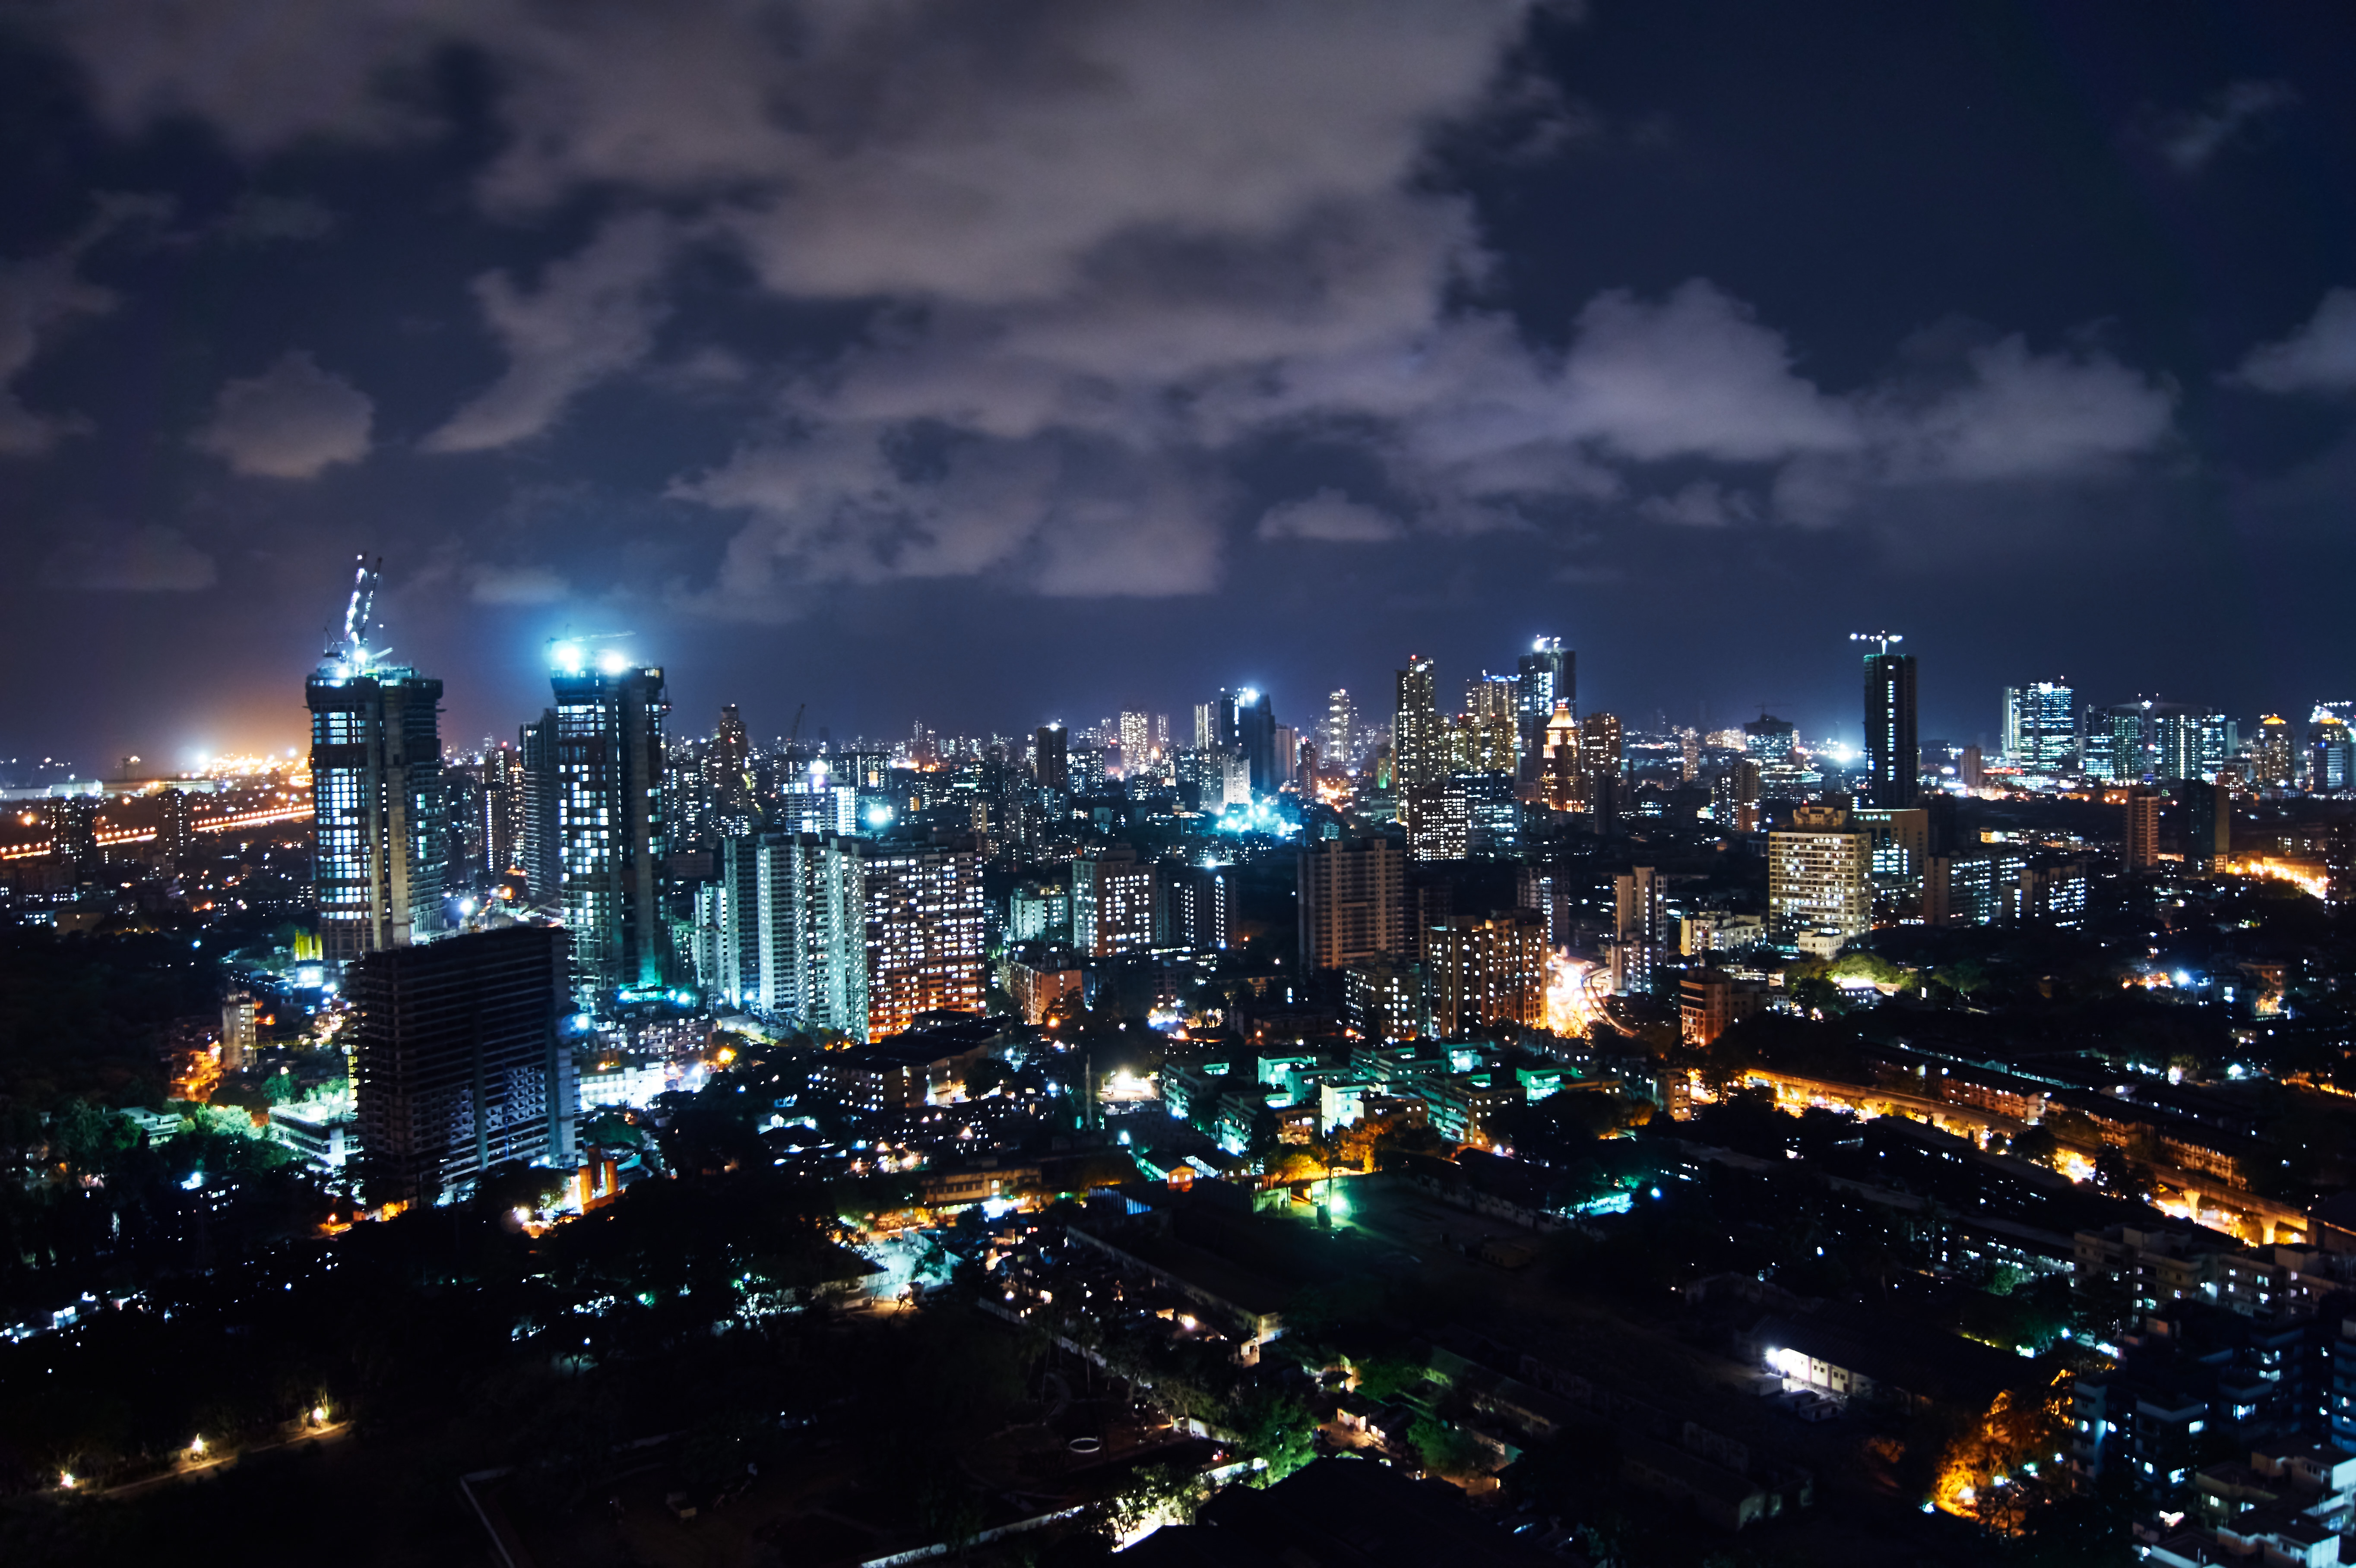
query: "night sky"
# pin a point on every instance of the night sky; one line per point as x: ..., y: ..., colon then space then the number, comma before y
x: 992, y: 363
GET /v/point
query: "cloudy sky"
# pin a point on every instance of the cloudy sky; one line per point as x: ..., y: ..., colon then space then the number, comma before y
x: 988, y: 363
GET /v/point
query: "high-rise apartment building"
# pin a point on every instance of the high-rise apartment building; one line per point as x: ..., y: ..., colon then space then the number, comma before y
x: 376, y: 787
x: 2041, y: 726
x: 1419, y: 769
x: 2173, y: 734
x: 176, y: 826
x: 727, y: 768
x: 543, y: 854
x: 1493, y: 812
x: 1734, y: 797
x: 1488, y: 739
x: 2272, y: 754
x: 457, y: 1063
x: 610, y: 825
x: 1487, y: 973
x: 1545, y: 678
x: 1819, y: 875
x: 1338, y: 742
x: 1602, y: 763
x: 1192, y: 912
x: 1051, y: 756
x: 2207, y: 822
x: 1640, y: 930
x: 1893, y: 752
x: 1352, y: 901
x: 1136, y: 744
x: 504, y: 803
x: 1255, y: 730
x: 1112, y: 902
x: 926, y: 938
x: 2141, y: 842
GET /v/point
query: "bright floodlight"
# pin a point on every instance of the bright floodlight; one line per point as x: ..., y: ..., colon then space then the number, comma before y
x: 568, y: 657
x: 612, y: 663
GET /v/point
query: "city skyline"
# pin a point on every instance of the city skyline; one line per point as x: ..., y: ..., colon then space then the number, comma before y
x: 2003, y: 331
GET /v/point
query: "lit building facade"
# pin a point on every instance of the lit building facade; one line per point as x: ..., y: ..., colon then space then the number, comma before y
x: 2041, y: 726
x: 1602, y: 762
x: 379, y: 844
x: 1640, y: 933
x: 925, y: 941
x: 1112, y: 902
x: 1192, y: 908
x: 1819, y: 875
x: 610, y: 826
x: 1893, y: 752
x: 1419, y: 770
x: 1486, y: 972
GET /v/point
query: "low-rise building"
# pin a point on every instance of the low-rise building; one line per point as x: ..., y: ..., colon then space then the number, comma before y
x: 323, y: 1134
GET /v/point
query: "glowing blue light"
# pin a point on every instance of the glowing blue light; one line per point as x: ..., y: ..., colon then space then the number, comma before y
x: 1656, y: 1192
x: 567, y: 657
x: 612, y: 663
x: 876, y: 815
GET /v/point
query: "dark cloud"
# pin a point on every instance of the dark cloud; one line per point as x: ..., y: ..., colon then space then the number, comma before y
x: 743, y: 313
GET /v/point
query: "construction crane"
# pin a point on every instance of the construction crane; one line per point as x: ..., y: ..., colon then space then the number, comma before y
x: 352, y: 652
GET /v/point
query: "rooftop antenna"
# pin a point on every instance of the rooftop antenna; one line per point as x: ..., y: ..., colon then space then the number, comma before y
x: 1883, y: 639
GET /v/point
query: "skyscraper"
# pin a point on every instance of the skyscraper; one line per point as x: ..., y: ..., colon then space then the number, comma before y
x: 1254, y: 732
x: 504, y: 802
x: 1338, y: 745
x: 610, y: 825
x: 2207, y: 832
x: 1419, y: 744
x: 1601, y: 759
x: 544, y: 859
x: 2272, y: 753
x: 728, y: 776
x: 1893, y: 755
x: 2173, y: 732
x: 1490, y: 742
x: 2041, y: 726
x: 1136, y: 744
x: 2141, y: 844
x: 458, y: 1065
x: 1547, y: 679
x: 1565, y: 790
x: 1051, y: 756
x: 376, y: 783
x: 1640, y: 928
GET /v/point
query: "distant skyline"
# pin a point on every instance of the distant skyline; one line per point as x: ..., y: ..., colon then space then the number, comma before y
x: 986, y: 364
